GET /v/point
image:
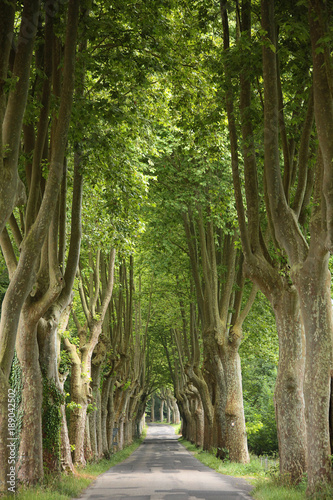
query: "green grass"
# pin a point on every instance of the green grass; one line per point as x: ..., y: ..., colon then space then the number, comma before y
x: 176, y: 427
x: 267, y: 483
x: 63, y: 487
x: 252, y: 470
x: 269, y: 490
x: 279, y: 488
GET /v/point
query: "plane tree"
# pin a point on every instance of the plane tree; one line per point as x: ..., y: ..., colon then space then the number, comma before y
x: 286, y: 252
x: 269, y: 270
x: 41, y: 208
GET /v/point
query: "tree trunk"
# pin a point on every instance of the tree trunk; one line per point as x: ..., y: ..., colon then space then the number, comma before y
x: 120, y: 433
x: 289, y: 398
x: 313, y: 283
x: 152, y: 411
x: 182, y: 416
x: 127, y: 430
x: 78, y: 414
x: 289, y: 393
x: 199, y: 417
x: 234, y: 410
x: 107, y: 391
x: 4, y: 449
x: 66, y: 457
x: 218, y: 395
x: 49, y: 350
x: 125, y: 419
x: 205, y: 392
x: 331, y: 415
x: 91, y: 416
x: 186, y: 416
x: 65, y: 450
x: 162, y: 411
x: 99, y: 425
x: 135, y: 412
x: 82, y: 364
x: 88, y: 451
x: 30, y: 460
x: 111, y: 424
x: 95, y: 425
x: 77, y: 428
x: 175, y: 413
x: 118, y: 420
x: 208, y: 439
x: 168, y: 412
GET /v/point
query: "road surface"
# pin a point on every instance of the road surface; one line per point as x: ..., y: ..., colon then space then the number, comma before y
x: 162, y: 469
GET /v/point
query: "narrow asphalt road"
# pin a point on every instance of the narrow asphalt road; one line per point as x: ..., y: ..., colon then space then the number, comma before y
x: 162, y: 469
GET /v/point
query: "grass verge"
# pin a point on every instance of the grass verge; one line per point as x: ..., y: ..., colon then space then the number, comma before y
x: 265, y: 480
x: 270, y: 490
x: 249, y: 471
x: 177, y: 428
x: 64, y: 487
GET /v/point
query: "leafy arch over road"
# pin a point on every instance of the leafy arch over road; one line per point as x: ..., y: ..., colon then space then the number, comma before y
x: 197, y: 158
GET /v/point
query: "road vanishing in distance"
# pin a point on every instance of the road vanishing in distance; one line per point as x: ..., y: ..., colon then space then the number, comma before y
x: 162, y: 469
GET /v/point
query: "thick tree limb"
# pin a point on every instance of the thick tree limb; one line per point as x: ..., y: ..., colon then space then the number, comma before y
x: 303, y: 157
x: 8, y: 253
x: 12, y: 119
x: 233, y: 141
x: 284, y: 221
x: 323, y: 103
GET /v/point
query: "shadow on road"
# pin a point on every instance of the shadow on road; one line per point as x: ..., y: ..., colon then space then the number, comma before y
x: 162, y: 469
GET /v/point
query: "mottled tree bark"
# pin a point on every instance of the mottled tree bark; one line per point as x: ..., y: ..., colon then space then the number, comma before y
x: 152, y: 410
x: 175, y: 413
x: 111, y: 419
x: 313, y: 280
x: 289, y: 396
x: 313, y: 283
x: 107, y: 395
x: 30, y: 459
x: 168, y: 413
x: 65, y: 450
x: 199, y: 417
x: 162, y: 411
x: 234, y: 409
x: 80, y: 395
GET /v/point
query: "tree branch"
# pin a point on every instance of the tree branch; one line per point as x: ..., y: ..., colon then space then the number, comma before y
x: 303, y: 157
x: 8, y: 253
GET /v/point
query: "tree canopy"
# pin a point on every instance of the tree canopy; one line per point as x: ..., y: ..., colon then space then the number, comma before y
x: 165, y: 227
